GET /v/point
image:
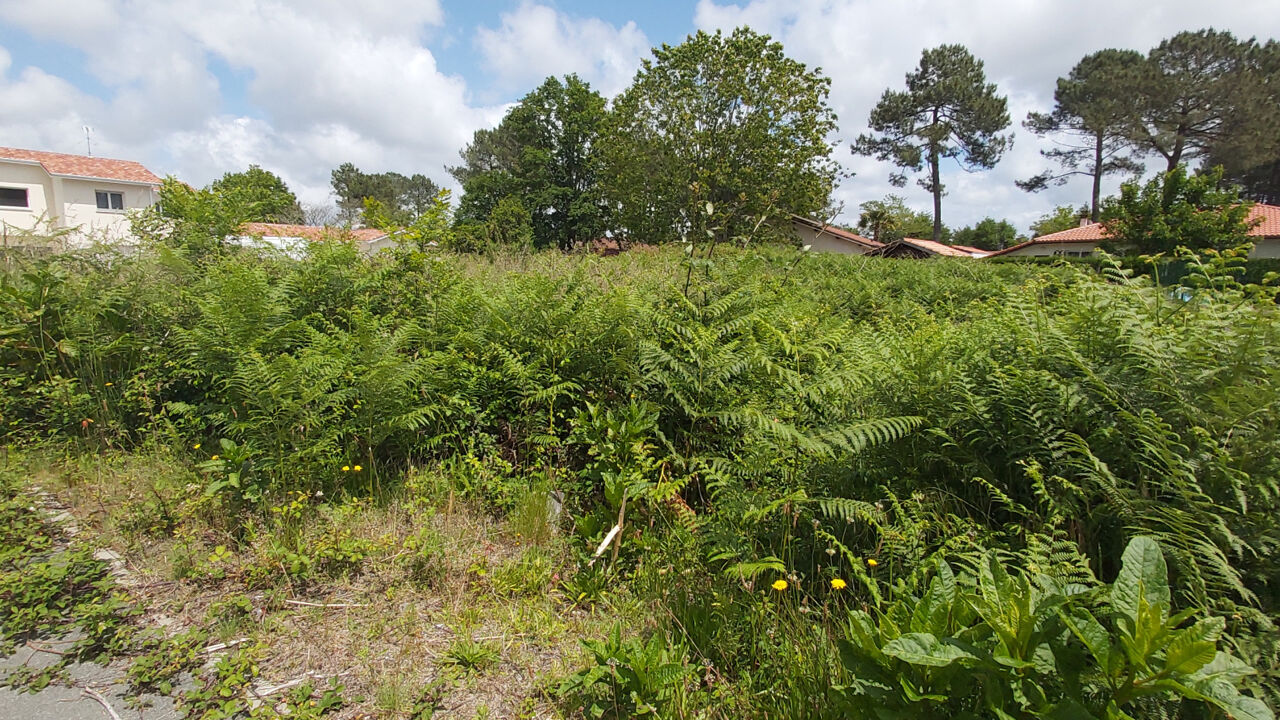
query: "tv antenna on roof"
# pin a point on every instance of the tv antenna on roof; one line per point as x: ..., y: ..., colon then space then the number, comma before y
x: 88, y: 142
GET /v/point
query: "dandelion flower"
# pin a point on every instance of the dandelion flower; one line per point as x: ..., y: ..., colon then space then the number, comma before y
x: 357, y: 468
x: 196, y: 446
x: 838, y: 584
x: 215, y: 457
x: 346, y: 468
x: 872, y: 562
x: 779, y: 585
x: 109, y: 384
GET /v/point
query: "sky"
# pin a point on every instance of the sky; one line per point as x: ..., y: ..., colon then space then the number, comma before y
x: 198, y: 88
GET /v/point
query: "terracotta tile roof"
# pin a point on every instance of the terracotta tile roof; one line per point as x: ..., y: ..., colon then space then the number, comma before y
x: 837, y: 232
x: 972, y: 250
x: 1270, y: 220
x: 1091, y: 233
x: 313, y: 233
x: 1267, y: 217
x: 83, y: 166
x: 936, y: 248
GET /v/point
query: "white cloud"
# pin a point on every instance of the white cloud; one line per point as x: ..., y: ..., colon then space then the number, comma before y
x: 39, y: 109
x: 866, y: 46
x: 536, y: 41
x: 330, y: 81
x: 326, y: 81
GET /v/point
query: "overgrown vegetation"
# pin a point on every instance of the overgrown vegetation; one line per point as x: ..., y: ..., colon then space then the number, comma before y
x: 844, y: 485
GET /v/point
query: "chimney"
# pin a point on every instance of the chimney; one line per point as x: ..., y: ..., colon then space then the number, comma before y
x: 1085, y: 222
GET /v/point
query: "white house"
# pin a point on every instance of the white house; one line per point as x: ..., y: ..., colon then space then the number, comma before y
x: 821, y: 237
x: 291, y: 238
x: 1084, y: 240
x: 44, y: 191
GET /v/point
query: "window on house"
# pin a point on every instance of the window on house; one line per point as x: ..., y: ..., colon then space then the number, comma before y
x: 13, y: 197
x: 110, y: 200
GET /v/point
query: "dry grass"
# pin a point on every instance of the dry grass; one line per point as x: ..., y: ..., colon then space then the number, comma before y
x: 434, y: 572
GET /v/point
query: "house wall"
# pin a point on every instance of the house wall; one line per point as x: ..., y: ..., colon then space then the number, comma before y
x: 825, y: 242
x: 39, y: 187
x: 375, y: 246
x: 79, y: 197
x: 1052, y: 249
x: 1267, y: 247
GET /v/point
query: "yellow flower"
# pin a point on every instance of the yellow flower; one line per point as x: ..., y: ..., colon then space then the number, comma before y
x: 779, y: 585
x: 838, y: 584
x: 109, y: 384
x: 196, y: 446
x: 872, y: 562
x: 215, y: 457
x: 346, y: 468
x: 357, y: 468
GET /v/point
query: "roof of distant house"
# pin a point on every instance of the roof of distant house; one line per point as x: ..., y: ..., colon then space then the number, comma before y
x: 309, y: 232
x: 837, y: 232
x: 977, y: 252
x: 1267, y: 218
x: 82, y: 166
x: 937, y: 248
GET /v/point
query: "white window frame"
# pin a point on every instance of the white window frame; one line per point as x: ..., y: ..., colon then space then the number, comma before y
x: 26, y: 192
x: 110, y: 194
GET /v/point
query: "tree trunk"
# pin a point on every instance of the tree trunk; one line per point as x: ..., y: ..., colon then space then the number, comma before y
x: 1175, y: 156
x: 1097, y: 177
x: 936, y: 181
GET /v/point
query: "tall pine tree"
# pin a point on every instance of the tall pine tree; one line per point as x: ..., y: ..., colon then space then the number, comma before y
x: 948, y: 110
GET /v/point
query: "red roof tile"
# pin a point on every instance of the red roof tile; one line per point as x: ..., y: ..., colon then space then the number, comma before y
x: 82, y: 166
x: 309, y: 232
x: 936, y: 248
x: 1267, y: 217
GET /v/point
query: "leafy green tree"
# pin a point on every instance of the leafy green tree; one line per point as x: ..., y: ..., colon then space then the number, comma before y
x: 987, y: 234
x: 877, y: 222
x: 1093, y: 107
x: 195, y: 221
x: 1175, y: 209
x: 714, y: 137
x: 948, y: 110
x: 511, y: 224
x: 403, y: 198
x: 545, y: 153
x: 890, y: 219
x: 1063, y: 217
x: 1199, y: 90
x: 1250, y: 153
x: 260, y: 196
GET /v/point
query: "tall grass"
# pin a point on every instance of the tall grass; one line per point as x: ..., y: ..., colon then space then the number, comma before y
x: 787, y: 417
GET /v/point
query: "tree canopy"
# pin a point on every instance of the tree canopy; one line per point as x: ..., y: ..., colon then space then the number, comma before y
x: 258, y: 196
x: 403, y: 198
x: 986, y: 234
x: 1177, y: 209
x: 948, y: 110
x: 890, y: 219
x: 544, y: 157
x: 1200, y: 91
x: 714, y: 137
x: 1093, y: 107
x: 1063, y: 217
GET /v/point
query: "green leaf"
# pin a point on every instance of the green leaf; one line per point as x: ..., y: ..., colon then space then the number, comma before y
x: 1143, y: 577
x: 934, y: 609
x: 1095, y: 637
x: 927, y: 649
x: 1193, y: 648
